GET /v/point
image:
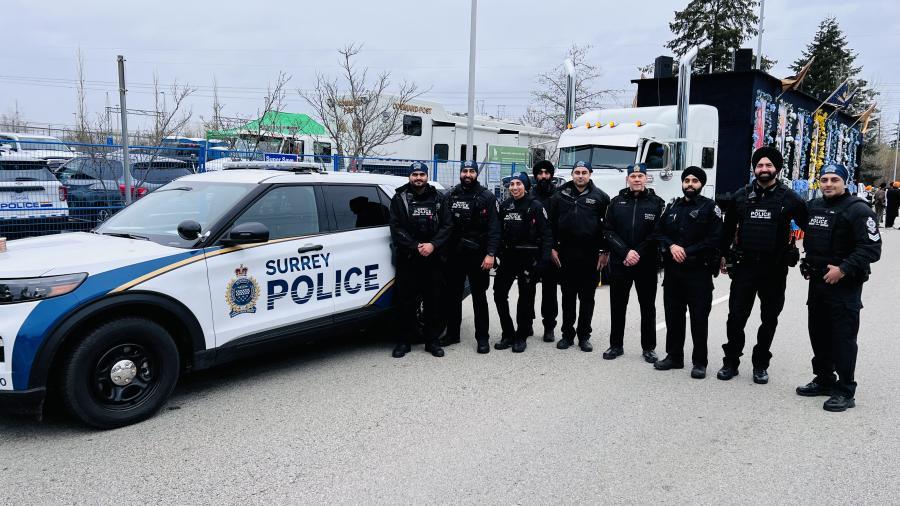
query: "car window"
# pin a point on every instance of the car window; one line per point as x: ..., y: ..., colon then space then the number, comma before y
x: 159, y: 175
x: 355, y: 206
x: 25, y: 171
x: 287, y: 211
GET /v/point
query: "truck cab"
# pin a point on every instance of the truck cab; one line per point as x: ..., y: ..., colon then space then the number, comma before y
x: 612, y: 139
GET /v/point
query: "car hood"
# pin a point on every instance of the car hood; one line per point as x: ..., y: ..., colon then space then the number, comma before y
x: 77, y: 252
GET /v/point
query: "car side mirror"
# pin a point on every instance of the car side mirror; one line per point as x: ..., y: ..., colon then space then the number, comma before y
x: 246, y: 233
x: 189, y: 230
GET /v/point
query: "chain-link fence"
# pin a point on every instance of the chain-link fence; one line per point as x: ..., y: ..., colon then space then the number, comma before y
x: 48, y: 186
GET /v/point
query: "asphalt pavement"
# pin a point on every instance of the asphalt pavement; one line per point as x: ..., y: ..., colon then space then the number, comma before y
x: 344, y: 422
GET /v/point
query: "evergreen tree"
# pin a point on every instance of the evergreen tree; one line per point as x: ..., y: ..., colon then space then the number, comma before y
x: 834, y: 63
x: 718, y: 27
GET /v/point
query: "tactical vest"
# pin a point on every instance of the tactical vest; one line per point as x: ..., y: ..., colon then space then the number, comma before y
x: 423, y: 218
x: 519, y: 227
x: 758, y: 230
x: 818, y: 242
x: 469, y: 215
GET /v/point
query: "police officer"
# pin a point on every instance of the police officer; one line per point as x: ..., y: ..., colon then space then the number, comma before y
x: 576, y: 215
x: 630, y: 221
x: 543, y: 189
x: 420, y: 228
x: 689, y: 232
x: 756, y: 236
x: 525, y: 250
x: 841, y: 241
x: 472, y: 248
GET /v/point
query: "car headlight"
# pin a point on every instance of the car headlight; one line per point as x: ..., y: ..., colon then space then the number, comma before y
x: 13, y: 291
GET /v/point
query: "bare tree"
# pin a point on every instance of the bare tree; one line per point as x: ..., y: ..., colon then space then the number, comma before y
x: 168, y: 122
x: 82, y: 131
x: 548, y: 107
x: 360, y: 114
x: 273, y: 104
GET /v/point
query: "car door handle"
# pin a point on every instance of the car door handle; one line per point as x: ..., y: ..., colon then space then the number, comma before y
x: 309, y: 247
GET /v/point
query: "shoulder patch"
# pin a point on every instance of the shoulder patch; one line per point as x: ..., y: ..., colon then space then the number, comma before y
x: 870, y: 224
x: 718, y: 211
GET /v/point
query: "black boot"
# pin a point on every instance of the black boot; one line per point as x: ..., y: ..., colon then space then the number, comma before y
x: 585, y: 344
x: 668, y: 363
x: 503, y: 343
x: 483, y: 347
x: 400, y: 350
x: 839, y: 402
x: 814, y: 389
x: 519, y: 345
x: 565, y: 342
x: 727, y: 372
x: 612, y: 352
x: 650, y: 356
x: 435, y: 349
x: 760, y: 376
x: 698, y: 372
x: 549, y: 336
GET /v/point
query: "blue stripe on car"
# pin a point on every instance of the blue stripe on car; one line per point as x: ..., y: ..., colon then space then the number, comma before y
x: 46, y: 315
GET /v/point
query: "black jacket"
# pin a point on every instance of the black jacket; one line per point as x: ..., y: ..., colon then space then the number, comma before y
x: 577, y: 218
x: 695, y: 225
x: 543, y: 192
x: 630, y: 222
x: 525, y: 228
x: 476, y: 225
x: 431, y: 221
x: 842, y: 231
x: 746, y: 199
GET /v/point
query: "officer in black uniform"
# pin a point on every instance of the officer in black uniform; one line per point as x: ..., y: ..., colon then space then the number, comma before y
x: 472, y: 248
x: 526, y: 243
x: 842, y: 240
x: 756, y: 238
x: 576, y: 216
x: 420, y: 228
x: 543, y: 189
x: 689, y: 233
x: 630, y: 221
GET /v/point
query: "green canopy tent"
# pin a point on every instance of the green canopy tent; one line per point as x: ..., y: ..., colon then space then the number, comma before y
x: 273, y: 124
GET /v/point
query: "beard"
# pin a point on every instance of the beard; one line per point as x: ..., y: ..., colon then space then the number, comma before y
x: 690, y: 192
x: 467, y: 181
x: 765, y: 177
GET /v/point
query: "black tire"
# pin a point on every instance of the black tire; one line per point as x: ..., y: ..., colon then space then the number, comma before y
x: 91, y: 393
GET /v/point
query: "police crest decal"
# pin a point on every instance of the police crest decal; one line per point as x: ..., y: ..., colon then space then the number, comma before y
x: 241, y: 293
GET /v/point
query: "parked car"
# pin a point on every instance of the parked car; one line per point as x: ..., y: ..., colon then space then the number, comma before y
x: 54, y: 151
x: 32, y: 200
x: 96, y: 184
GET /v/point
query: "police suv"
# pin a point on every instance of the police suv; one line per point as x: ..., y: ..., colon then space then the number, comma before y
x: 31, y: 198
x: 194, y: 274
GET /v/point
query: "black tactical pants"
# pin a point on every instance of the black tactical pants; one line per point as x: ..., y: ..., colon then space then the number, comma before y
x: 549, y: 301
x: 512, y: 268
x: 621, y: 279
x: 687, y: 288
x: 419, y: 279
x: 833, y: 326
x: 578, y: 280
x: 462, y: 265
x: 749, y: 280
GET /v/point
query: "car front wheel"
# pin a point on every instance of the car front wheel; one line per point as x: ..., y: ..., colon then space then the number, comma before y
x: 121, y: 373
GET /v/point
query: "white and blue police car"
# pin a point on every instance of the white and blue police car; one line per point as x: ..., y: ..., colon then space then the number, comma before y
x: 194, y: 274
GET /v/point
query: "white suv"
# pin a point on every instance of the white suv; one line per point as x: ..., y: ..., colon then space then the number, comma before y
x: 200, y: 271
x: 32, y: 200
x: 54, y: 151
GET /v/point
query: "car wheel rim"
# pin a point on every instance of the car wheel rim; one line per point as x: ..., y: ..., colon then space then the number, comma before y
x: 125, y: 376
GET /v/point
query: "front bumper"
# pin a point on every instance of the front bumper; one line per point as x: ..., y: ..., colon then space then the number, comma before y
x: 25, y: 402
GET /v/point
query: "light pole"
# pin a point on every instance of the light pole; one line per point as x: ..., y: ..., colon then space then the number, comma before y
x: 762, y: 11
x: 896, y: 147
x: 470, y: 118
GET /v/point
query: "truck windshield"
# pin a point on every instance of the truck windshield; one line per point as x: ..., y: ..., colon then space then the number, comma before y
x: 157, y: 215
x: 598, y: 156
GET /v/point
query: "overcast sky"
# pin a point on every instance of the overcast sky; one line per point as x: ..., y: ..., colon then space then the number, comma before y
x: 244, y: 44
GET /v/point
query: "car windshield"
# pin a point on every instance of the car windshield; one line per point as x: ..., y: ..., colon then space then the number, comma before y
x: 25, y: 171
x: 598, y: 156
x: 42, y: 144
x: 157, y: 215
